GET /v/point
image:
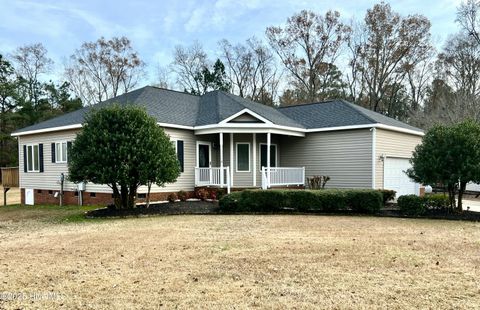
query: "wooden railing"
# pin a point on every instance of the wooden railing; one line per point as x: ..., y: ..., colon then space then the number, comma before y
x: 213, y: 176
x: 282, y: 176
x: 10, y: 177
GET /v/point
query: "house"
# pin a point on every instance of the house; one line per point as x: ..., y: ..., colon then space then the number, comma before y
x: 227, y: 141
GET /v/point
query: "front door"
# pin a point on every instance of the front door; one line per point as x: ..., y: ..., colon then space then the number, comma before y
x: 204, y: 162
x: 204, y: 155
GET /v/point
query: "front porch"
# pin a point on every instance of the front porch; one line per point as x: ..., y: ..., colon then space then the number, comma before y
x: 243, y: 160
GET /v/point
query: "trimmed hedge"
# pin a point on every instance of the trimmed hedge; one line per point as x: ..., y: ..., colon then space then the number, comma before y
x: 415, y: 205
x: 327, y: 200
x: 387, y: 194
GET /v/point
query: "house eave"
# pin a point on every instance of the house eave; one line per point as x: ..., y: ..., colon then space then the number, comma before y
x: 367, y: 126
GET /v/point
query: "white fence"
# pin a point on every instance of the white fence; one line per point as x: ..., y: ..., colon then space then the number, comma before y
x: 283, y: 176
x: 213, y: 176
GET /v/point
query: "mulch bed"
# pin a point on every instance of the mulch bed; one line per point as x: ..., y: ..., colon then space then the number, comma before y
x: 435, y: 214
x: 211, y: 207
x: 170, y: 208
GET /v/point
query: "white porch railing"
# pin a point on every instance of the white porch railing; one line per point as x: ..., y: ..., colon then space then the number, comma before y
x: 283, y: 176
x: 213, y: 176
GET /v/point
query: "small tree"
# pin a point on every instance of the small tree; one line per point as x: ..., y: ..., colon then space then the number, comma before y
x: 123, y: 148
x: 449, y: 155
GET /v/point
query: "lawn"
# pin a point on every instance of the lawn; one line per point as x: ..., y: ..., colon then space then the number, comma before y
x: 52, y: 258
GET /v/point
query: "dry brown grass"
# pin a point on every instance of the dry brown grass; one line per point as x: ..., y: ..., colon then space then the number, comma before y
x: 242, y: 262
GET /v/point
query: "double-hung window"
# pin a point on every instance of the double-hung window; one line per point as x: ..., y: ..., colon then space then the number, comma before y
x: 33, y: 158
x: 61, y: 152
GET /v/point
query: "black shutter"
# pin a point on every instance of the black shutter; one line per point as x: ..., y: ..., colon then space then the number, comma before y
x: 24, y: 158
x: 180, y: 156
x: 53, y: 153
x: 69, y: 147
x: 40, y: 155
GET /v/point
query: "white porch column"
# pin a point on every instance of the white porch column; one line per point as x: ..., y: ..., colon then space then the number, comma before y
x: 254, y: 159
x: 221, y: 159
x: 269, y: 140
x: 231, y: 159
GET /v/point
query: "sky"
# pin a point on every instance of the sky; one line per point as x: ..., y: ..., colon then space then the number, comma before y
x: 156, y: 27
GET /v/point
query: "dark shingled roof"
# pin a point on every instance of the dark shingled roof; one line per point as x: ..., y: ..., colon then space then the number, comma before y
x: 173, y: 107
x: 216, y: 106
x: 335, y: 113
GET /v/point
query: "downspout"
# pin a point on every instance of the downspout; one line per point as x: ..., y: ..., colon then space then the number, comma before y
x: 374, y: 154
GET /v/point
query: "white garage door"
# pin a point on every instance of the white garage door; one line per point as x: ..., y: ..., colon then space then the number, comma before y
x: 395, y: 177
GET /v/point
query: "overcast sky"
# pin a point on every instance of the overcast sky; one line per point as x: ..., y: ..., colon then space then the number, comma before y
x: 155, y: 27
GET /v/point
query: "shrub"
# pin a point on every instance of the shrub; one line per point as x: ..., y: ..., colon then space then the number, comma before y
x: 202, y: 193
x: 415, y: 205
x: 172, y: 197
x: 411, y: 204
x: 331, y: 200
x: 182, y: 195
x: 318, y: 181
x: 437, y: 202
x: 387, y: 195
x: 365, y: 201
x: 229, y: 203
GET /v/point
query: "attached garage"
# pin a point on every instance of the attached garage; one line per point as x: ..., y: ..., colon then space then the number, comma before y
x: 393, y: 152
x: 395, y: 177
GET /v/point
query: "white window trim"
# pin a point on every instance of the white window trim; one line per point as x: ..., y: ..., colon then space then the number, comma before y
x: 260, y: 155
x: 58, y: 159
x: 236, y: 157
x: 32, y: 145
x: 174, y: 141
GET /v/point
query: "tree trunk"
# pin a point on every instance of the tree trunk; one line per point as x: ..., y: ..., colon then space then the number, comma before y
x: 461, y: 190
x: 132, y: 193
x: 149, y: 186
x: 451, y: 195
x: 117, y: 199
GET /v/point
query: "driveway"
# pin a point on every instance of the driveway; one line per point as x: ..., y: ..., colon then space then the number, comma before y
x: 474, y: 204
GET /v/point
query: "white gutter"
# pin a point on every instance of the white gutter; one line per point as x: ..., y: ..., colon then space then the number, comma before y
x: 31, y: 132
x: 243, y: 128
x: 376, y: 125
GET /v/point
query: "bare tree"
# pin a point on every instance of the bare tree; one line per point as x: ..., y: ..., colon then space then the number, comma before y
x: 459, y: 62
x: 163, y: 79
x: 306, y: 44
x: 469, y: 19
x: 104, y: 69
x: 31, y: 61
x: 391, y: 47
x: 188, y: 62
x: 239, y: 62
x: 251, y: 70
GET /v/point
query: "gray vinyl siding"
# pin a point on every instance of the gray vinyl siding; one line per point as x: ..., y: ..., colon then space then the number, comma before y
x: 345, y: 156
x: 392, y: 144
x: 242, y: 178
x: 49, y: 178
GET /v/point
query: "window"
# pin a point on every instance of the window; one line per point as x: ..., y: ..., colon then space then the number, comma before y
x: 61, y: 152
x: 33, y: 158
x: 263, y: 155
x: 178, y: 146
x: 243, y: 157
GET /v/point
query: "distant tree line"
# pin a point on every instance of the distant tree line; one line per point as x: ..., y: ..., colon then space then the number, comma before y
x: 384, y: 61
